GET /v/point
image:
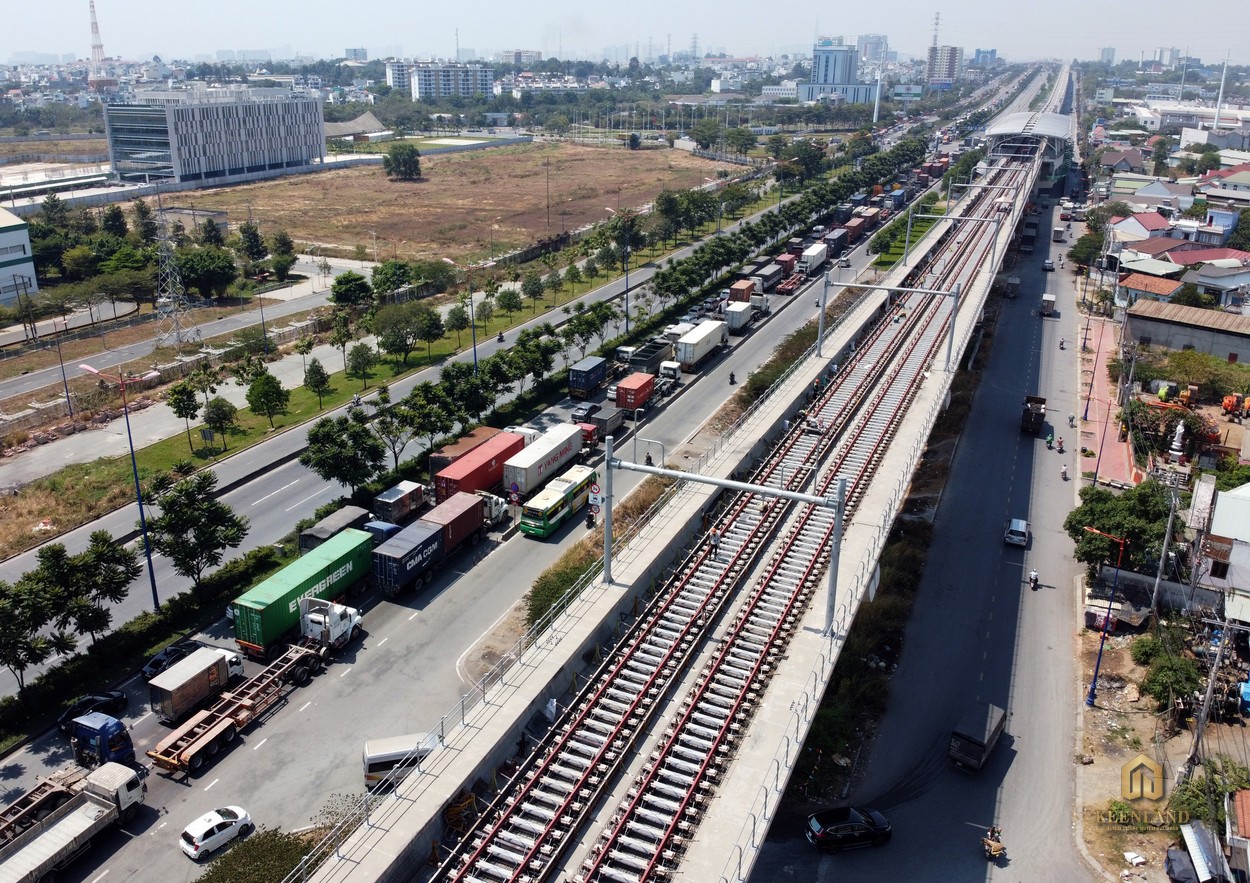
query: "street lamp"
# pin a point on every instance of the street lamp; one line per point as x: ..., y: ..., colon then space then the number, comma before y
x: 375, y: 244
x: 61, y: 362
x: 1106, y: 621
x: 625, y: 261
x: 121, y: 380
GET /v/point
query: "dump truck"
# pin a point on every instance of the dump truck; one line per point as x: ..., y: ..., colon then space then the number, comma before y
x: 1034, y: 414
x: 975, y: 736
x: 814, y: 257
x: 697, y: 346
x: 767, y: 277
x: 526, y: 472
x: 605, y: 421
x: 635, y: 391
x: 450, y: 453
x: 40, y: 843
x: 649, y: 356
x: 191, y: 682
x: 587, y: 376
x: 203, y: 736
x: 479, y: 470
x: 348, y: 516
x: 266, y: 616
x: 415, y: 554
x: 738, y: 317
x: 397, y: 504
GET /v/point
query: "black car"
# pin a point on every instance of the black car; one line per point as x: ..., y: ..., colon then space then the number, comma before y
x: 847, y: 828
x: 112, y: 702
x: 167, y: 657
x: 582, y: 413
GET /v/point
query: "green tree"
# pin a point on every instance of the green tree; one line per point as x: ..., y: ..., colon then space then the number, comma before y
x: 145, y: 221
x: 341, y: 449
x: 509, y: 301
x: 573, y: 275
x: 113, y: 221
x: 220, y: 416
x: 54, y: 212
x: 741, y: 140
x: 210, y: 234
x: 430, y: 411
x: 304, y: 346
x: 209, y: 270
x: 360, y: 362
x: 1241, y: 233
x: 392, y: 425
x: 265, y: 395
x: 350, y: 289
x: 316, y: 380
x: 485, y: 310
x: 125, y: 258
x: 553, y: 282
x: 397, y: 327
x: 280, y: 244
x: 185, y: 403
x: 206, y: 379
x: 1139, y: 515
x: 402, y: 161
x: 251, y: 243
x: 79, y: 262
x: 532, y: 287
x: 27, y: 610
x: 108, y: 569
x: 194, y: 529
x: 706, y: 132
x: 457, y: 321
x: 429, y: 328
x: 341, y: 333
x: 281, y: 265
x: 390, y: 276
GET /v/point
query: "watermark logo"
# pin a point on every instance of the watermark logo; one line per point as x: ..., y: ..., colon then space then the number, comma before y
x: 1141, y: 779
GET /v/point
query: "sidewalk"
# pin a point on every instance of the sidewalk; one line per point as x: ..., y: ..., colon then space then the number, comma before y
x: 1112, y: 462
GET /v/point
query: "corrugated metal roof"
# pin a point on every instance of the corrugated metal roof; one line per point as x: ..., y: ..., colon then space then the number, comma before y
x: 1201, y: 502
x: 1043, y: 125
x: 1196, y: 317
x: 1205, y: 851
x: 1231, y: 517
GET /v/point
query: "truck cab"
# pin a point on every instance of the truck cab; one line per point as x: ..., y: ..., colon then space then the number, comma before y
x: 98, y: 738
x: 327, y: 623
x: 493, y: 508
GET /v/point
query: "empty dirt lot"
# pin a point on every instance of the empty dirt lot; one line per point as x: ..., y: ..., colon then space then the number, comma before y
x: 451, y: 211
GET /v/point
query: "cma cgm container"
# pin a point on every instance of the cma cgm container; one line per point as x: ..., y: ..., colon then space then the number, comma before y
x: 448, y: 454
x: 265, y: 615
x: 540, y: 462
x: 635, y: 391
x: 479, y: 470
x: 416, y: 552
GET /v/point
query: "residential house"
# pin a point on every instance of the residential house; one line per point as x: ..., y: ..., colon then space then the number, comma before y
x: 1224, y: 554
x: 1157, y: 248
x: 1161, y: 192
x: 1139, y: 226
x: 1178, y: 327
x: 1133, y: 287
x: 1130, y: 160
x: 1149, y: 267
x: 1227, y: 280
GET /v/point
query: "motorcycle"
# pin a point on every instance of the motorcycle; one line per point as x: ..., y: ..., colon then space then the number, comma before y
x: 590, y: 521
x: 1061, y: 341
x: 500, y: 337
x: 732, y: 379
x: 1064, y: 471
x: 1033, y: 580
x: 992, y: 844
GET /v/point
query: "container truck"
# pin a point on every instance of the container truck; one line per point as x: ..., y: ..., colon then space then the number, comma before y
x: 760, y: 305
x: 606, y: 421
x: 649, y: 356
x: 795, y: 247
x: 837, y: 241
x: 854, y: 230
x: 695, y: 348
x: 674, y: 333
x: 787, y: 263
x: 767, y: 277
x: 872, y: 217
x: 207, y: 732
x: 450, y: 453
x: 635, y: 391
x: 265, y: 616
x: 1057, y: 234
x: 348, y: 516
x: 190, y: 682
x: 740, y: 292
x: 814, y: 257
x: 625, y: 353
x: 479, y: 470
x: 416, y: 553
x: 738, y: 317
x: 1048, y: 304
x: 587, y: 376
x: 976, y: 735
x: 398, y: 503
x: 48, y: 843
x: 529, y: 433
x: 533, y: 467
x: 98, y: 738
x: 327, y: 626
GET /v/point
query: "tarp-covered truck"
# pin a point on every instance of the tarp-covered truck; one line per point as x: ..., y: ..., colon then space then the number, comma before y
x: 341, y: 519
x: 265, y: 616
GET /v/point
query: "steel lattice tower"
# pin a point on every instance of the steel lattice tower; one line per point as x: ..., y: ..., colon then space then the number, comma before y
x: 97, y: 79
x: 173, y: 317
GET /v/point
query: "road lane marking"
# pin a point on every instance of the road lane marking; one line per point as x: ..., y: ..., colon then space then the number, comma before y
x: 345, y: 671
x: 305, y: 705
x: 260, y: 743
x: 141, y: 719
x: 275, y: 493
x: 414, y: 615
x: 306, y: 499
x: 100, y: 876
x: 209, y: 786
x: 383, y: 641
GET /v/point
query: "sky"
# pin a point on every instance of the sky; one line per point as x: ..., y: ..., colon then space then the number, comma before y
x: 1064, y: 29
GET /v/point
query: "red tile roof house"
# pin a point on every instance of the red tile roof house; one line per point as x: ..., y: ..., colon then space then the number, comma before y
x: 1143, y: 225
x: 1139, y: 286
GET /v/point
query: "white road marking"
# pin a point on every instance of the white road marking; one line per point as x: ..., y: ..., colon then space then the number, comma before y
x: 306, y: 499
x: 145, y: 717
x: 275, y: 493
x: 345, y: 671
x: 414, y: 616
x: 260, y: 743
x: 209, y: 786
x: 383, y: 641
x: 100, y: 876
x: 305, y: 705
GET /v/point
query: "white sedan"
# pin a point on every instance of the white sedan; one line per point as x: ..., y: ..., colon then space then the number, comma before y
x: 213, y: 830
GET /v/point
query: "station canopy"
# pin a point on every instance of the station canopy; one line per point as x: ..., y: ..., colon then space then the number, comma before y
x: 1039, y: 125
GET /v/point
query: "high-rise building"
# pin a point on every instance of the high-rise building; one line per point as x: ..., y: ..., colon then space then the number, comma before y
x: 835, y: 67
x: 359, y: 54
x: 872, y: 47
x: 399, y: 76
x: 431, y: 81
x: 211, y: 134
x: 1107, y: 55
x: 945, y: 63
x: 984, y: 57
x: 520, y: 57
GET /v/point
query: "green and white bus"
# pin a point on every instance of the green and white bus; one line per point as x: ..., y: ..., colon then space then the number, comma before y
x: 557, y: 502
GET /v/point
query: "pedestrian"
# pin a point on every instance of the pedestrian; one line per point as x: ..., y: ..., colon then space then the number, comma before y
x: 715, y: 537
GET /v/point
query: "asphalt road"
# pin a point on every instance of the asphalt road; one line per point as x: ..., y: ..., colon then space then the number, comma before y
x: 978, y: 633
x: 400, y: 678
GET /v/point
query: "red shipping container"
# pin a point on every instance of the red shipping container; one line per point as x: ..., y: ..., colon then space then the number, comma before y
x: 479, y: 470
x: 460, y: 516
x: 635, y: 390
x: 740, y: 292
x: 450, y: 453
x: 787, y: 262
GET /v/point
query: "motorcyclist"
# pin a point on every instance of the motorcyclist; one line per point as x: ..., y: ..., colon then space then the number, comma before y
x: 500, y: 337
x: 1033, y: 578
x: 590, y: 520
x: 1064, y: 471
x: 995, y: 833
x: 732, y: 379
x: 648, y: 460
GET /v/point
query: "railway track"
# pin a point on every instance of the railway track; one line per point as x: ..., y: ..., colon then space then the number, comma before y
x: 530, y: 828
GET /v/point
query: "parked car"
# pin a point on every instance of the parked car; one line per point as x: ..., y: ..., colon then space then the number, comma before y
x: 167, y: 657
x: 847, y: 828
x: 583, y: 412
x: 213, y: 830
x: 1048, y: 265
x: 111, y: 702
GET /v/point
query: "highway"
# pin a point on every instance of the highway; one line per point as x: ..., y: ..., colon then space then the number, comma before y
x: 311, y: 746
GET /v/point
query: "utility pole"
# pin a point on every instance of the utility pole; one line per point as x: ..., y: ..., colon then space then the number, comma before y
x: 1163, y: 555
x: 1201, y: 724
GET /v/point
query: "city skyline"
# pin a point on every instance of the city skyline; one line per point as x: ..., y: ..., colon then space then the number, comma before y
x: 139, y: 29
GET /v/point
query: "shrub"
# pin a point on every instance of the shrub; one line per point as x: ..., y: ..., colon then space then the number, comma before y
x: 1171, y: 676
x: 1145, y: 649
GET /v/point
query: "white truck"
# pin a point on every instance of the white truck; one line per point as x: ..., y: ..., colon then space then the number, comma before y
x: 540, y: 462
x: 110, y: 794
x: 695, y: 348
x: 812, y: 259
x: 326, y: 624
x: 738, y: 316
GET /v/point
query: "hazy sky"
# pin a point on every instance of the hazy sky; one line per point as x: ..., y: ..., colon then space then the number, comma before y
x: 1018, y: 30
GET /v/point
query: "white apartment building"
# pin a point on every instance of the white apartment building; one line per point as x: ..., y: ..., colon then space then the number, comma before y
x: 431, y: 81
x: 17, y: 266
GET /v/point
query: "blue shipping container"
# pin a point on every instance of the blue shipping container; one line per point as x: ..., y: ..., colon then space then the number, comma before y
x: 587, y: 376
x: 407, y: 556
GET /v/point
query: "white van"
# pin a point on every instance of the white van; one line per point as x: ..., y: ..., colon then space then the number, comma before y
x: 387, y: 761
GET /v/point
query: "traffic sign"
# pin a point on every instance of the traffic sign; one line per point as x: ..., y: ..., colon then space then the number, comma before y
x: 514, y: 498
x: 516, y: 488
x: 594, y: 489
x: 597, y: 500
x: 594, y: 510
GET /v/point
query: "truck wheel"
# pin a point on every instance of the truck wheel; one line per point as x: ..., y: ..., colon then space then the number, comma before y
x: 300, y: 675
x: 427, y: 577
x: 355, y: 632
x: 129, y: 813
x: 214, y: 748
x: 476, y: 538
x: 196, y: 762
x: 228, y: 734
